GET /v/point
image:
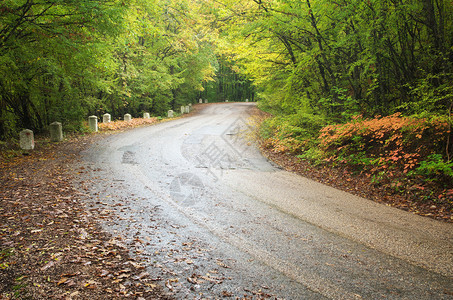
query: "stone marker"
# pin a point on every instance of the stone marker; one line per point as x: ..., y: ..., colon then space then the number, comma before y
x: 200, y: 101
x: 27, y: 141
x: 106, y: 118
x: 205, y: 100
x: 183, y: 109
x: 56, y: 132
x: 93, y: 123
x: 187, y: 109
x: 226, y: 100
x: 246, y: 100
x: 127, y: 117
x: 170, y: 114
x: 145, y: 115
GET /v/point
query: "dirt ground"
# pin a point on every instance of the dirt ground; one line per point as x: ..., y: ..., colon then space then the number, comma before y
x: 51, y: 246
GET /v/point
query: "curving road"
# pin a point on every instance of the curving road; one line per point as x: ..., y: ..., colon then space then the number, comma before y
x: 210, y: 217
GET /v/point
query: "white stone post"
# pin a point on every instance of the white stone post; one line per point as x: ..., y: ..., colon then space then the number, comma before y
x: 56, y: 132
x: 127, y: 117
x: 200, y: 101
x: 27, y: 140
x: 170, y: 113
x: 93, y: 123
x: 226, y: 100
x: 187, y: 109
x: 183, y: 110
x: 246, y: 100
x: 106, y: 118
x: 145, y: 115
x: 205, y: 100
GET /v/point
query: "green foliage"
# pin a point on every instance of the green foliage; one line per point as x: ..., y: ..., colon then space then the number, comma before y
x: 433, y: 94
x: 228, y: 84
x: 65, y: 60
x: 434, y: 167
x: 344, y: 58
x: 48, y: 52
x: 313, y: 155
x: 293, y: 133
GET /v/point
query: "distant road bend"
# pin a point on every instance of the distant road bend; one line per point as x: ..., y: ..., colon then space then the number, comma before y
x: 197, y: 203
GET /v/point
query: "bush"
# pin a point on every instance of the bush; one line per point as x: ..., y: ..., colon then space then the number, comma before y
x: 294, y: 133
x: 434, y: 167
x: 391, y: 144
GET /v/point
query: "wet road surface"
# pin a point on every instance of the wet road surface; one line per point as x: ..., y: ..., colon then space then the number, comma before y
x: 210, y: 217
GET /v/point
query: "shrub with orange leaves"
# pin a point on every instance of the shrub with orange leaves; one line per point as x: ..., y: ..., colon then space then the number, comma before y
x: 385, y: 143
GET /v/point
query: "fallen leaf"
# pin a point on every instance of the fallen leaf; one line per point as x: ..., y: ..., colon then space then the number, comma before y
x: 62, y: 280
x: 48, y: 265
x: 90, y: 284
x: 227, y: 294
x: 136, y: 265
x: 141, y: 276
x: 222, y: 265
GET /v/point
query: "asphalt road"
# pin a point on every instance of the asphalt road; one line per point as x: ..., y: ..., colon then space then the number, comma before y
x: 210, y: 217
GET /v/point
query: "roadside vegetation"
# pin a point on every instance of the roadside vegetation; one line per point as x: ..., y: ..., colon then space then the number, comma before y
x: 395, y: 160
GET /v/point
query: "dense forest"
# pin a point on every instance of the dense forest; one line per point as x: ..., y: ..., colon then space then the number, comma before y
x: 62, y: 60
x: 369, y: 83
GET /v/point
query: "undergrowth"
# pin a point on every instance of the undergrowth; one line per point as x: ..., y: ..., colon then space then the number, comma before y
x: 407, y: 155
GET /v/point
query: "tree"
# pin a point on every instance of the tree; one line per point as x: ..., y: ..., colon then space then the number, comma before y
x: 46, y: 49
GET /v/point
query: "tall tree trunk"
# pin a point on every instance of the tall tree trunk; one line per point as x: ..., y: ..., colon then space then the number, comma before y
x: 431, y: 23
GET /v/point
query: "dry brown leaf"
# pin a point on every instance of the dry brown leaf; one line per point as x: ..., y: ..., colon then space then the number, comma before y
x: 62, y: 280
x: 222, y: 265
x: 48, y: 265
x: 141, y: 276
x: 124, y: 275
x: 90, y: 284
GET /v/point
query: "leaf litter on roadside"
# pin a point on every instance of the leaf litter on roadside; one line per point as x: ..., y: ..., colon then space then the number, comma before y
x: 50, y: 247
